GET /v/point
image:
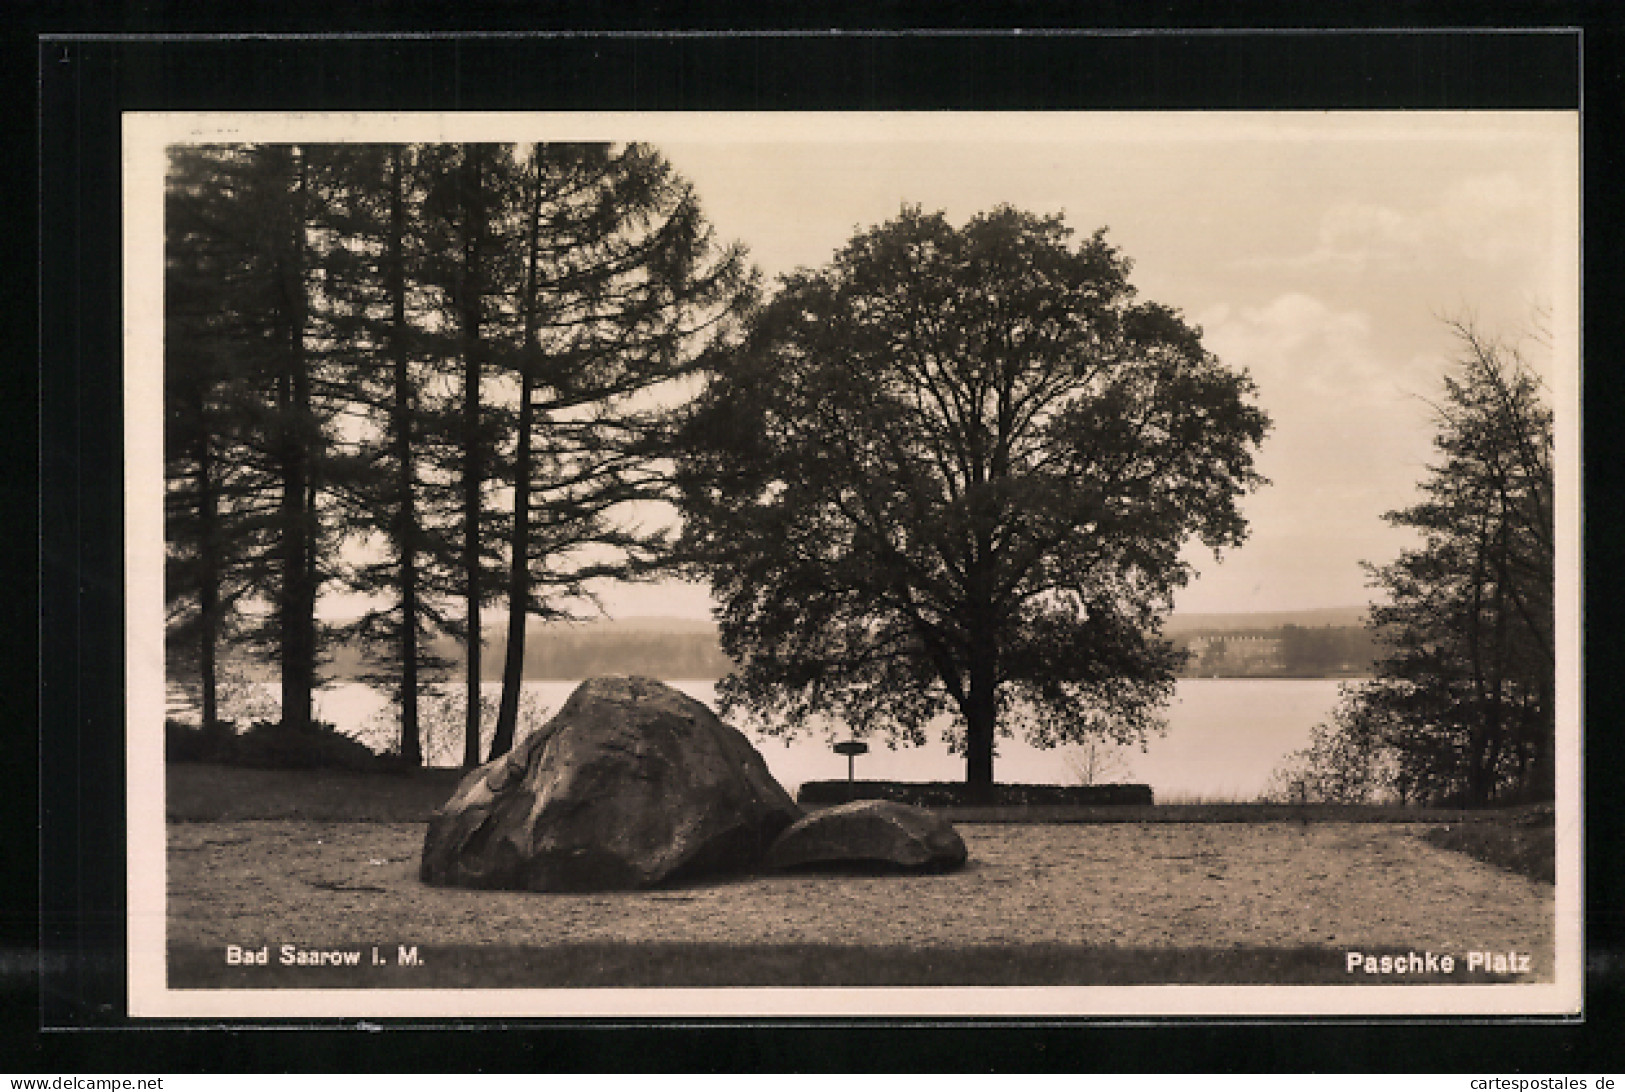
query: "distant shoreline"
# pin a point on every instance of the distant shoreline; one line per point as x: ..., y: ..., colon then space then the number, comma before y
x: 1325, y: 643
x: 266, y: 674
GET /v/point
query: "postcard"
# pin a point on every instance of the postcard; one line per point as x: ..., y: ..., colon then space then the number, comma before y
x: 824, y: 564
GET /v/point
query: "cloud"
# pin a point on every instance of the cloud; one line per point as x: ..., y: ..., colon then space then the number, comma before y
x: 1357, y: 234
x: 1493, y: 218
x: 1349, y: 442
x: 1300, y: 350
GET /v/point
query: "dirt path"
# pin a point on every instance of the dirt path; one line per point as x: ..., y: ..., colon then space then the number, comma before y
x: 1168, y: 885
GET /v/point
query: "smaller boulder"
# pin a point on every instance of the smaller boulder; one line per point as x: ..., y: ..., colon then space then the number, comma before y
x: 870, y: 834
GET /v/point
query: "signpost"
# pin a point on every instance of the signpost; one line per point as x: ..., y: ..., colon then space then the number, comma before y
x: 851, y: 748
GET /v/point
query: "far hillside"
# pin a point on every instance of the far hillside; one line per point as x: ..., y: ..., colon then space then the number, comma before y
x: 664, y: 648
x: 1278, y: 644
x: 1259, y: 621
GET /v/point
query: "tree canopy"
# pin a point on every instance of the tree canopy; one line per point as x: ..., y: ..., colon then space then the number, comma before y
x: 249, y: 406
x: 955, y: 469
x: 426, y: 373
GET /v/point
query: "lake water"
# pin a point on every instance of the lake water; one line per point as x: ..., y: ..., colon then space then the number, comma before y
x: 1225, y: 737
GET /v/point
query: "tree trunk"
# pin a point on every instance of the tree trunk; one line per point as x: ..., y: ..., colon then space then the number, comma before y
x: 1495, y: 714
x: 980, y: 726
x: 298, y: 593
x: 1477, y: 730
x: 513, y: 667
x: 471, y: 585
x: 297, y: 603
x: 473, y: 463
x: 1543, y: 764
x: 406, y: 507
x: 298, y: 597
x: 208, y: 579
x: 207, y: 672
x: 981, y: 720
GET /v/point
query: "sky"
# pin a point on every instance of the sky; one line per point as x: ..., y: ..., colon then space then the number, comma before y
x: 1321, y: 252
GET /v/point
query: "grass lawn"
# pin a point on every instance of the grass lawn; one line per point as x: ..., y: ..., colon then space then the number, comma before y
x: 1167, y: 894
x: 1521, y: 840
x: 206, y: 793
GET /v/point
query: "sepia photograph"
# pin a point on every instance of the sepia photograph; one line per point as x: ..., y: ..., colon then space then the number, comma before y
x: 1052, y: 564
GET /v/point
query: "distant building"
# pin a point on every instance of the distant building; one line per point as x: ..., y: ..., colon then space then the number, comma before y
x: 1233, y: 654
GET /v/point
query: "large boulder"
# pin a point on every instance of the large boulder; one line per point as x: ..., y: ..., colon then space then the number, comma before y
x: 870, y: 834
x: 631, y: 785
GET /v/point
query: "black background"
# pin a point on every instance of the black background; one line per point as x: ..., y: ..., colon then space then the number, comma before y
x: 67, y: 781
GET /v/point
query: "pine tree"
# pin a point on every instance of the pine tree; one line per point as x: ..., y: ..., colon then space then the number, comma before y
x: 471, y: 261
x: 239, y: 248
x: 1461, y: 708
x: 371, y: 343
x: 208, y: 522
x: 623, y: 290
x: 379, y: 316
x: 296, y: 432
x: 1465, y: 693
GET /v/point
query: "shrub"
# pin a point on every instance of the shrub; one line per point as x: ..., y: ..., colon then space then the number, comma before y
x: 441, y: 721
x: 320, y: 746
x: 1521, y: 840
x: 198, y: 743
x: 1346, y: 762
x: 956, y: 793
x: 1097, y: 761
x: 269, y: 745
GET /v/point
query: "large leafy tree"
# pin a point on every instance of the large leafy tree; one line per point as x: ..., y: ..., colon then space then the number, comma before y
x: 954, y: 469
x: 1464, y: 696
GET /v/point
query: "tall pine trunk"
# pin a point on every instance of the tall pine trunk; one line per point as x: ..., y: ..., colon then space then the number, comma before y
x: 473, y: 462
x: 513, y: 667
x: 209, y: 574
x: 405, y: 516
x: 297, y: 522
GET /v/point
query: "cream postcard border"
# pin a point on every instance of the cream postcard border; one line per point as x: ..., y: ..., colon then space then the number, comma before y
x: 147, y: 135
